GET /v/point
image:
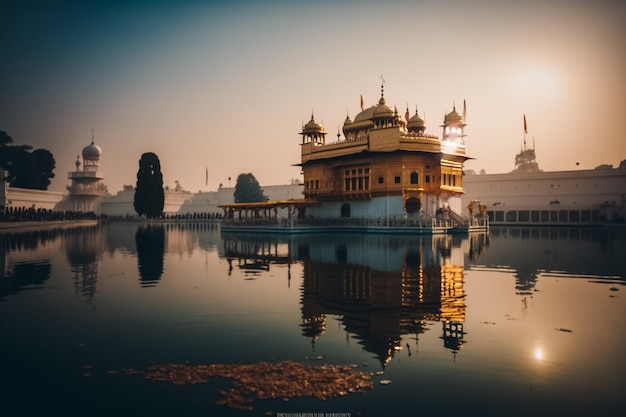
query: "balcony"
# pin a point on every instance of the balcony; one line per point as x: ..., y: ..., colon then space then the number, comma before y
x: 96, y: 175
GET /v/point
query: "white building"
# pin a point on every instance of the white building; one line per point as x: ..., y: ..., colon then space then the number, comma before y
x: 180, y: 201
x: 87, y: 187
x: 532, y: 196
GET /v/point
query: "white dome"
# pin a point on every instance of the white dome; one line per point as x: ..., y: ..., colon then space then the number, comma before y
x: 92, y: 152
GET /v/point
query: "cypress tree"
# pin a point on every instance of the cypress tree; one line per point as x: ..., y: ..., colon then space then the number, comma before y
x: 149, y: 197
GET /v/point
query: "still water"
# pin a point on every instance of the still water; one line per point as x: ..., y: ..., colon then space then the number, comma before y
x: 517, y: 322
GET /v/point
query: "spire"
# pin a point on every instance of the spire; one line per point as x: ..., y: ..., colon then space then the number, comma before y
x: 464, y: 111
x: 92, y: 136
x: 382, y: 86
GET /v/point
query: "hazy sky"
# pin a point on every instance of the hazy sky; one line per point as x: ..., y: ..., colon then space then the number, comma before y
x: 227, y: 85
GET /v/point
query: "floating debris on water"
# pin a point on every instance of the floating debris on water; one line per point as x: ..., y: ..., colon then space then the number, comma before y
x: 266, y: 380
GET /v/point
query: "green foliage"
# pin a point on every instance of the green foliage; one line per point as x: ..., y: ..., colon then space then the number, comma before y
x: 26, y: 168
x: 248, y: 190
x: 149, y: 197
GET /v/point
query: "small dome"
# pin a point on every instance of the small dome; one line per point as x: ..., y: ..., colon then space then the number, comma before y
x: 313, y: 127
x: 92, y: 152
x: 348, y: 121
x: 452, y: 117
x: 416, y: 122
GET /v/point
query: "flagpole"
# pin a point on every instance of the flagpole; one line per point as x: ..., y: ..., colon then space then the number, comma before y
x: 525, y: 131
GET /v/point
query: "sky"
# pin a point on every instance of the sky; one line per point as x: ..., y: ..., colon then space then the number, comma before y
x: 225, y: 87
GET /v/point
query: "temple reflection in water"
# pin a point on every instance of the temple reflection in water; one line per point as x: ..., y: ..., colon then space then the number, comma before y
x: 381, y: 287
x: 432, y: 315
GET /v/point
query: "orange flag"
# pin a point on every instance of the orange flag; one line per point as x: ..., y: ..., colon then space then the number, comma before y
x: 361, y: 101
x: 525, y: 129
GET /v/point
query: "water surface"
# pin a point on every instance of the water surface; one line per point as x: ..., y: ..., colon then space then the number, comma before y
x: 517, y: 322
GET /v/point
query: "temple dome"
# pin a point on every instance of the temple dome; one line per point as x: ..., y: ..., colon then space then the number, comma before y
x: 383, y: 110
x: 416, y: 122
x: 453, y: 117
x: 365, y: 114
x: 313, y: 127
x: 92, y: 152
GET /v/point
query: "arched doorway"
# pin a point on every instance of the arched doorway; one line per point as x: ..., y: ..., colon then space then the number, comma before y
x: 345, y: 210
x: 412, y: 205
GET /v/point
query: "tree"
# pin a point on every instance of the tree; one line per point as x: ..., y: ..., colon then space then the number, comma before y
x: 248, y: 190
x: 26, y: 169
x: 149, y: 197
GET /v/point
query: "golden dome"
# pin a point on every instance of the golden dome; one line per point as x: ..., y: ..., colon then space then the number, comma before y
x: 383, y: 110
x: 313, y: 127
x: 365, y: 114
x: 416, y: 122
x: 452, y: 118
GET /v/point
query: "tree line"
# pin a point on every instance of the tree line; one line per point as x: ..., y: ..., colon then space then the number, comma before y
x: 26, y: 167
x: 33, y: 169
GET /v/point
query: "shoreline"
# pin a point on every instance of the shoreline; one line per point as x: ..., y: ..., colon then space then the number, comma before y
x: 8, y: 227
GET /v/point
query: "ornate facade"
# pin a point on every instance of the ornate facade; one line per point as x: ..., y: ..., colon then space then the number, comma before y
x: 384, y: 166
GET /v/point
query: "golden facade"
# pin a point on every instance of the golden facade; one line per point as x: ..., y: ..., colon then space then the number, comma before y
x: 382, y: 154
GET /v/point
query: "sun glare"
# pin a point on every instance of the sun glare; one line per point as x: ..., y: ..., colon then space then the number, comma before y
x: 539, y: 80
x: 538, y: 353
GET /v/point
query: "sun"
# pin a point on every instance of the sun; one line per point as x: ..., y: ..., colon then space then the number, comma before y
x: 537, y: 81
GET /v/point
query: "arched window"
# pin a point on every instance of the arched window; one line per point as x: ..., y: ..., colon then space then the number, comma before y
x: 413, y: 205
x: 345, y: 210
x: 414, y: 178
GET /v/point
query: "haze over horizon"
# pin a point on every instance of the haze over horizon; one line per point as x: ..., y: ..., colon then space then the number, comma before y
x: 226, y: 86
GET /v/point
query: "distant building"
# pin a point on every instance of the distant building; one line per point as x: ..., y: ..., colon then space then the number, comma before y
x: 31, y: 199
x: 87, y: 186
x: 180, y: 201
x: 530, y: 196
